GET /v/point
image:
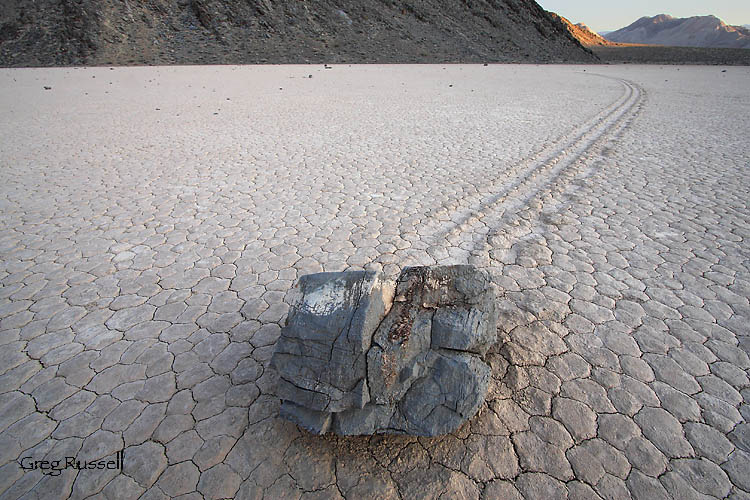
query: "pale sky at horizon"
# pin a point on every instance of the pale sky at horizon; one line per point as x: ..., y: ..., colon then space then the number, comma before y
x: 604, y: 15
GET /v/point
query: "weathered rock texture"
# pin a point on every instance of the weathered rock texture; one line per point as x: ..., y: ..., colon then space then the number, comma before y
x: 361, y: 354
x: 65, y: 32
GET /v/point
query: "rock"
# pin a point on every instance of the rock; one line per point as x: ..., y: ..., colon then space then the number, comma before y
x: 321, y: 356
x: 360, y: 354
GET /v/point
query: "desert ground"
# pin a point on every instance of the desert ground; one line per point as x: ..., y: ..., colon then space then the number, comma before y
x: 152, y: 220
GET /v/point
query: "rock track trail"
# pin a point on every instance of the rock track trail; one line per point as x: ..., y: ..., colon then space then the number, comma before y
x: 153, y: 219
x: 505, y: 207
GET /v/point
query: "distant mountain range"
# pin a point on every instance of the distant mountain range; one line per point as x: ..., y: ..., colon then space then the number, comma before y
x: 699, y: 31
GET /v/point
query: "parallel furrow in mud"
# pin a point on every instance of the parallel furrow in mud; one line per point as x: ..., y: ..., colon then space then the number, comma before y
x: 463, y: 209
x: 500, y: 213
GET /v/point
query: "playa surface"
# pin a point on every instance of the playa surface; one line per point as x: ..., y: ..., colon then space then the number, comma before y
x: 152, y: 220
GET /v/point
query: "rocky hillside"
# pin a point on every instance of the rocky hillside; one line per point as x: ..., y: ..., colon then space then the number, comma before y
x: 699, y: 31
x: 65, y: 32
x: 581, y: 32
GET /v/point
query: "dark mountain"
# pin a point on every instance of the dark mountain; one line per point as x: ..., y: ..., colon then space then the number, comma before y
x: 65, y: 32
x: 699, y: 31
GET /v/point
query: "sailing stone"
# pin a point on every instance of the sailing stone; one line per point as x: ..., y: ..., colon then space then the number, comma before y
x: 361, y: 354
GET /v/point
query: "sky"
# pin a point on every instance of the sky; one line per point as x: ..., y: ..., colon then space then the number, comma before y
x: 603, y: 15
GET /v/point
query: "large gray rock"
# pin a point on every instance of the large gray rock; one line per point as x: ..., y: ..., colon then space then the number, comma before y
x: 321, y: 355
x: 362, y: 355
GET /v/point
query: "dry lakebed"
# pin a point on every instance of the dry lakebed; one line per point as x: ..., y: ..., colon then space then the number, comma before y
x: 153, y: 219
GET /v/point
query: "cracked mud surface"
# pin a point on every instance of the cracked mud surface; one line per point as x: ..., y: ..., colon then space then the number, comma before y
x: 146, y: 255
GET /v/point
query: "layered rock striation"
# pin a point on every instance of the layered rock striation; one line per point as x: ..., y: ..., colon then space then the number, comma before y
x: 361, y: 354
